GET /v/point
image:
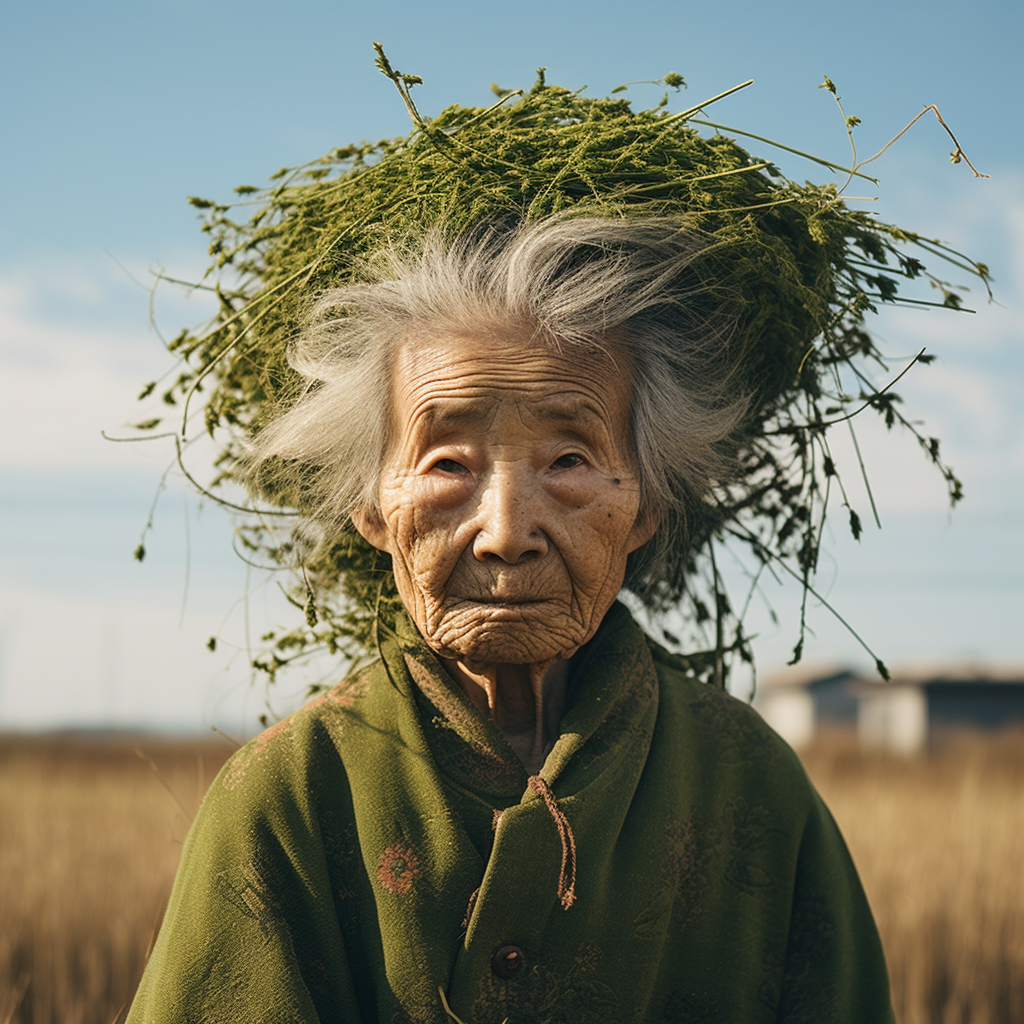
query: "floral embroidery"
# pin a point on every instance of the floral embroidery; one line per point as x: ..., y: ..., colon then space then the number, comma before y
x: 552, y: 996
x: 688, y: 850
x: 253, y: 897
x: 397, y: 868
x: 750, y: 846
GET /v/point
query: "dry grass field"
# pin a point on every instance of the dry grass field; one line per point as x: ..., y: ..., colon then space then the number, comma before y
x: 90, y: 836
x: 90, y: 833
x: 939, y: 843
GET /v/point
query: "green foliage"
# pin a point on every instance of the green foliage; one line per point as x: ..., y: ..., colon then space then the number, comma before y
x: 799, y: 269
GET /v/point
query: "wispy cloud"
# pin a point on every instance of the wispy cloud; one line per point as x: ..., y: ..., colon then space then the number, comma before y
x: 75, y: 348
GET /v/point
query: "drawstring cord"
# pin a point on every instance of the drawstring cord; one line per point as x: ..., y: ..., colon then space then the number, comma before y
x: 567, y: 876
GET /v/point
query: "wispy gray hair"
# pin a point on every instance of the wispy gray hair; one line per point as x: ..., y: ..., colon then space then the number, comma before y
x: 642, y: 284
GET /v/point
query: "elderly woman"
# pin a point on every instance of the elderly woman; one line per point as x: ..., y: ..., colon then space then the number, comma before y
x: 525, y: 809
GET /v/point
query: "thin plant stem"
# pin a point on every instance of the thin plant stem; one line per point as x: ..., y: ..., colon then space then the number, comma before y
x: 864, y: 474
x: 683, y: 115
x: 214, y: 497
x: 751, y: 539
x: 956, y: 156
x: 719, y: 676
x: 788, y: 149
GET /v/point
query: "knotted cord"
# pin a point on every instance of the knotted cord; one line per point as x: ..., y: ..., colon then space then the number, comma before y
x: 567, y: 876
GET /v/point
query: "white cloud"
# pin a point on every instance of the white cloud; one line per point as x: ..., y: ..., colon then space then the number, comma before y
x: 134, y: 658
x: 88, y: 662
x: 72, y: 360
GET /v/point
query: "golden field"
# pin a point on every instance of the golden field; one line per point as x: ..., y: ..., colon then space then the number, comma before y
x: 90, y: 836
x: 91, y: 830
x: 939, y: 843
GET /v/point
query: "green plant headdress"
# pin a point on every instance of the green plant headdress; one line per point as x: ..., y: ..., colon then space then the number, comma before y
x: 804, y: 270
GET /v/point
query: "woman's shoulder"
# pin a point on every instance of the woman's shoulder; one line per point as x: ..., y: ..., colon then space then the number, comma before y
x: 717, y: 727
x: 293, y: 758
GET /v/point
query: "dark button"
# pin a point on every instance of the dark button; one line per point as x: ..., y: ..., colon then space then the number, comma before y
x: 507, y: 962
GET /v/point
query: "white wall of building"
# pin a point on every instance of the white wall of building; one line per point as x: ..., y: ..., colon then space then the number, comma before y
x: 790, y: 712
x: 894, y: 719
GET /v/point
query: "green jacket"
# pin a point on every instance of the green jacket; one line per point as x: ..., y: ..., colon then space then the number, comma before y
x: 672, y: 863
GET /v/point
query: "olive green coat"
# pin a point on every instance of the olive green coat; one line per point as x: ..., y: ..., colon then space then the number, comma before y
x: 352, y: 860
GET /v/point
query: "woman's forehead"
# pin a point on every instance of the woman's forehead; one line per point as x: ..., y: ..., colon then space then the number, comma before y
x: 456, y: 379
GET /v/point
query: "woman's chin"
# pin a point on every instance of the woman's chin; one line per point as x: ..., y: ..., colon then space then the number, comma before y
x: 508, y: 634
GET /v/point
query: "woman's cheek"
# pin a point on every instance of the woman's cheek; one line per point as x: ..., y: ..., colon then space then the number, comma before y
x: 443, y: 492
x: 431, y: 529
x: 600, y: 497
x: 576, y: 488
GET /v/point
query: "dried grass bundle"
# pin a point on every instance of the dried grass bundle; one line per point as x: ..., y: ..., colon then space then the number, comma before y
x: 798, y: 269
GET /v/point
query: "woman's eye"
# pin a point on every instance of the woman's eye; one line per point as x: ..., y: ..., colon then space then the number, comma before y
x: 449, y: 466
x: 568, y: 461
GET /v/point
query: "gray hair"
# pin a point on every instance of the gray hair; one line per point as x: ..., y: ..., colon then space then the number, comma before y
x: 643, y: 284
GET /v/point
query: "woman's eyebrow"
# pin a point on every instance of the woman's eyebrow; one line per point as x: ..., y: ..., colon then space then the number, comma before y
x: 446, y: 414
x: 570, y: 411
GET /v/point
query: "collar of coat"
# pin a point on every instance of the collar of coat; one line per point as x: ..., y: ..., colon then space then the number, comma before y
x: 611, y: 707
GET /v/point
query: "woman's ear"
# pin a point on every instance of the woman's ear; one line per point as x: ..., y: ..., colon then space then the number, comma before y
x: 643, y: 530
x: 372, y: 528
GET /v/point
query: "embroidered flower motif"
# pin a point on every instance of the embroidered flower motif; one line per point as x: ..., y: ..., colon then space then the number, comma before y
x: 397, y: 867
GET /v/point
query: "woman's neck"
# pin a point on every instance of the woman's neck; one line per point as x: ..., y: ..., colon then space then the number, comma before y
x: 526, y: 702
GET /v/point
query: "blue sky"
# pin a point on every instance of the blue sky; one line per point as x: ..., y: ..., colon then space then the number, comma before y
x: 113, y: 112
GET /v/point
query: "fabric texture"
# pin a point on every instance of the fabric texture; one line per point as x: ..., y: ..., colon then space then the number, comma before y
x: 384, y: 842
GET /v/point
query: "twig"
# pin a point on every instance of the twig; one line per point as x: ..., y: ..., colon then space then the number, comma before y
x: 719, y: 639
x: 133, y: 440
x: 848, y: 122
x: 163, y: 782
x: 213, y: 497
x: 707, y: 103
x: 788, y: 149
x: 402, y: 84
x: 767, y: 555
x: 488, y: 110
x: 220, y: 732
x: 448, y: 1010
x: 956, y: 156
x: 824, y: 424
x: 864, y: 473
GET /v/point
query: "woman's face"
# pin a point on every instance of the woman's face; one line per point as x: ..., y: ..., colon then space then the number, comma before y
x: 508, y: 499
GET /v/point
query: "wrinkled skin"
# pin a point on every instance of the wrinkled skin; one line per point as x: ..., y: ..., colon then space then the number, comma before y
x: 508, y: 502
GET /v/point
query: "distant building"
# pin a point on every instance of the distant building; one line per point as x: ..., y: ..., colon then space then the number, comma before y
x: 900, y: 716
x: 799, y: 700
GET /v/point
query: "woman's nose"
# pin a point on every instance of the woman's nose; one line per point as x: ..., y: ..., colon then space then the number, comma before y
x: 509, y: 517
